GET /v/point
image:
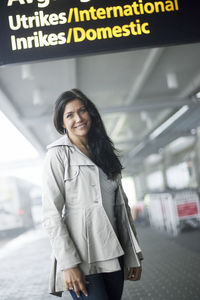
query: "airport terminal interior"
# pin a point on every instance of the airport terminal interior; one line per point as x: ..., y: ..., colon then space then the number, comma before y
x: 149, y: 100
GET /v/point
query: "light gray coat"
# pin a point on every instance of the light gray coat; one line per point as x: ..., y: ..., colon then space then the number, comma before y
x: 74, y: 217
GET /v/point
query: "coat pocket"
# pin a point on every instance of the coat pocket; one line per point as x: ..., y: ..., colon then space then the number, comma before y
x: 71, y: 172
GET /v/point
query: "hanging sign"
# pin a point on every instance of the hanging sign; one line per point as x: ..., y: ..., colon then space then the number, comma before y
x: 43, y: 29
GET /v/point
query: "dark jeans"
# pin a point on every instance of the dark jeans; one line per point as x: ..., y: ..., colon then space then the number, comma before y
x: 103, y: 286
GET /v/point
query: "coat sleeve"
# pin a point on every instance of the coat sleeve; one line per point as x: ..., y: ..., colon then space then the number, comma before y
x: 140, y: 255
x: 53, y: 201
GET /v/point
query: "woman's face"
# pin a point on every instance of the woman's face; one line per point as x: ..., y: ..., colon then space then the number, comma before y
x: 76, y: 119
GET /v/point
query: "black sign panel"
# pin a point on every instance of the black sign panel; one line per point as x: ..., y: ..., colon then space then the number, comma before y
x: 43, y: 29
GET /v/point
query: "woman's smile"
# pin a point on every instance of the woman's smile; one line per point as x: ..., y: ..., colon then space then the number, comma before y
x: 76, y: 119
x: 80, y: 125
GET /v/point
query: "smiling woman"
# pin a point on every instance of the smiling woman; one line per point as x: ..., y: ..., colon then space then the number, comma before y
x: 76, y: 119
x: 86, y: 212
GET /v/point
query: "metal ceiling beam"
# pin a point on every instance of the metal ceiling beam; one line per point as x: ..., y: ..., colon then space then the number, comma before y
x: 162, y: 139
x: 14, y: 116
x: 190, y: 89
x: 151, y: 104
x: 146, y: 145
x: 149, y: 65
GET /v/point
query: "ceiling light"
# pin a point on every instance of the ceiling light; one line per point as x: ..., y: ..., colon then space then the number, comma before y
x: 168, y: 122
x: 172, y: 81
x: 26, y: 72
x: 193, y: 131
x: 36, y: 97
x: 197, y: 95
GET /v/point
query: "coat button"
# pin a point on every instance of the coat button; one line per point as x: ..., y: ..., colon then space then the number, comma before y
x: 93, y: 184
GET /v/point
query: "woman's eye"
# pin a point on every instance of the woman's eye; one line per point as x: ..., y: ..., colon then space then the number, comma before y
x: 83, y: 110
x: 68, y: 116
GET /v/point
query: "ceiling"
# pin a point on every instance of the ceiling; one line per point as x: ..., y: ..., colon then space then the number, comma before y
x: 135, y: 91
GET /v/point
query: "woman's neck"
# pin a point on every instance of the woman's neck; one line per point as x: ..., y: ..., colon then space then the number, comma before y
x: 80, y: 142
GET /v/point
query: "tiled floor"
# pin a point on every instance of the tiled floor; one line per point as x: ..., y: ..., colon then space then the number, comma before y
x: 171, y: 269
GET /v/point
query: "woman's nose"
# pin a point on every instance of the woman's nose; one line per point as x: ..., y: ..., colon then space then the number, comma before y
x: 78, y: 118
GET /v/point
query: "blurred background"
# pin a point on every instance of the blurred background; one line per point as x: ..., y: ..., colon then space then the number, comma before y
x: 150, y: 103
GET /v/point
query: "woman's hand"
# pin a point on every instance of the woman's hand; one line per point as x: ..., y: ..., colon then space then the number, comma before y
x: 134, y: 274
x: 74, y: 280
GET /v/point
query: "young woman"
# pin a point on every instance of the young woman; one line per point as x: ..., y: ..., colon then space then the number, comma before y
x: 85, y: 210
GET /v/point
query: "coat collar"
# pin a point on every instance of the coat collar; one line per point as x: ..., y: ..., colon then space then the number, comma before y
x: 63, y: 141
x: 75, y: 157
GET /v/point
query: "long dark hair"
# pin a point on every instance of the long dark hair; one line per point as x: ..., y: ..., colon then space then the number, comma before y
x: 102, y: 150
